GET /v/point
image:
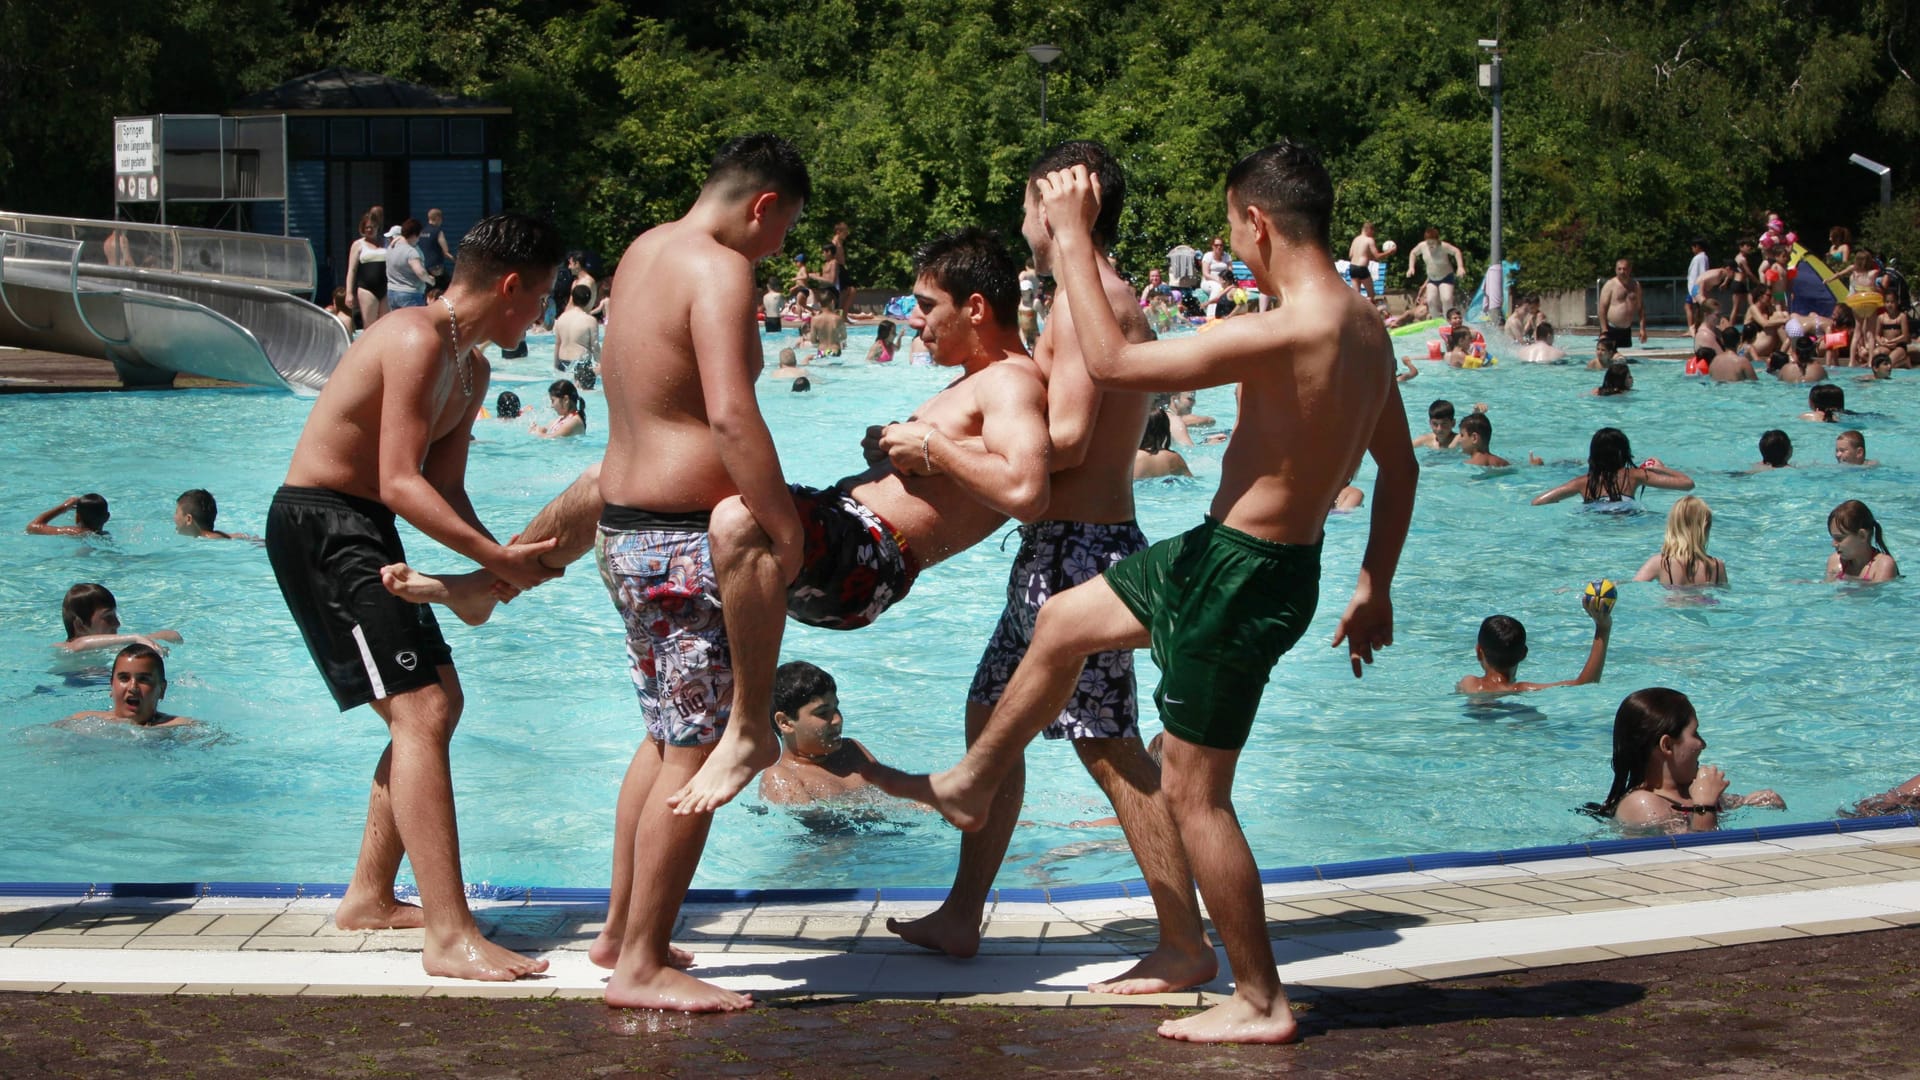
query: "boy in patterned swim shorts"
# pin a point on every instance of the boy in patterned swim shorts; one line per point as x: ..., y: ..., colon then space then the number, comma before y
x: 1220, y: 604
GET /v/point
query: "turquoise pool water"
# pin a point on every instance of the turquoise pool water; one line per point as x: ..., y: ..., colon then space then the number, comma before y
x: 1801, y: 686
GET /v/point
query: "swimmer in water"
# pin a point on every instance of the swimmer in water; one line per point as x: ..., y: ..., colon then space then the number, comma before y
x: 1776, y: 451
x: 1476, y: 441
x: 90, y: 516
x: 789, y: 366
x: 1156, y: 458
x: 570, y: 413
x: 1659, y: 784
x: 139, y: 685
x: 1859, y: 547
x: 194, y: 513
x: 92, y: 618
x: 817, y: 761
x: 1825, y: 403
x: 1612, y: 477
x: 1850, y: 448
x: 1503, y: 645
x: 1440, y: 434
x: 1683, y: 558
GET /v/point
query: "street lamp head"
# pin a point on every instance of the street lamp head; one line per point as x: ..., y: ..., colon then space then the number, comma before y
x: 1043, y: 54
x: 1870, y: 165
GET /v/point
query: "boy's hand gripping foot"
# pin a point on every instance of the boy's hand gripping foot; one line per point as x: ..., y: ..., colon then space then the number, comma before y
x: 469, y: 596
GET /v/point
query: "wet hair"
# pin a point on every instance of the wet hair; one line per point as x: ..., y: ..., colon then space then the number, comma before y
x: 801, y: 385
x: 1854, y: 437
x: 1290, y: 185
x: 1477, y: 424
x: 199, y: 506
x: 409, y: 228
x: 91, y: 511
x: 138, y: 651
x: 81, y: 604
x: 564, y: 388
x: 1851, y: 516
x: 797, y: 684
x: 505, y: 244
x: 1881, y: 359
x: 1749, y: 333
x: 581, y: 295
x: 507, y: 405
x: 1543, y: 332
x: 1702, y: 353
x: 884, y: 331
x: 1828, y: 400
x: 1776, y: 448
x: 789, y: 358
x: 1608, y: 455
x: 1803, y: 349
x: 1158, y: 434
x: 1104, y: 167
x: 1605, y: 344
x: 1643, y: 719
x: 1730, y: 336
x: 1689, y: 523
x: 759, y: 162
x: 1615, y: 380
x: 1441, y: 409
x: 973, y: 262
x: 1503, y: 641
x: 1460, y: 338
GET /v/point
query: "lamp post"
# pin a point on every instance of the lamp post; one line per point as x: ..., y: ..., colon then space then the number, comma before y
x: 1043, y: 55
x: 1490, y: 78
x: 1883, y: 172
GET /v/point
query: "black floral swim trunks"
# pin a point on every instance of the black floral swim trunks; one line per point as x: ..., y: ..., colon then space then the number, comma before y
x: 1054, y: 557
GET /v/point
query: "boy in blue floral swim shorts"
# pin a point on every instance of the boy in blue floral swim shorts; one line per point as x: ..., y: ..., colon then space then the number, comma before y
x: 1221, y: 603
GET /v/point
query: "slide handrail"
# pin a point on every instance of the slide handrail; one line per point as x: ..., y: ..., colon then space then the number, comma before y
x: 285, y: 263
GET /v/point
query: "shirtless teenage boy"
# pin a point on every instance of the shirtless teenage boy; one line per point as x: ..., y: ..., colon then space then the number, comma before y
x: 684, y: 432
x: 1360, y: 258
x: 389, y: 436
x: 1502, y: 645
x: 1622, y: 301
x: 1444, y: 265
x: 1317, y: 393
x: 1089, y: 527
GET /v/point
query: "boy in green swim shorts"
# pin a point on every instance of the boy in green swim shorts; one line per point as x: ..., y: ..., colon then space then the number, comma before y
x: 1221, y: 603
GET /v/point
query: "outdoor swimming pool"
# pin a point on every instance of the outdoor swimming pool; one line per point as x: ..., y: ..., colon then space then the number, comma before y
x: 1801, y: 686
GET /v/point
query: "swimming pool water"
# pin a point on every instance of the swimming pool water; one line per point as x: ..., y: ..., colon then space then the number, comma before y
x: 1801, y: 686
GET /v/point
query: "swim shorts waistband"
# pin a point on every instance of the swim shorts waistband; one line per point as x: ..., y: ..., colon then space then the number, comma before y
x: 1250, y: 542
x: 329, y: 499
x: 632, y: 519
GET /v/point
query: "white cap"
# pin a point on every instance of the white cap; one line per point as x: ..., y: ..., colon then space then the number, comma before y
x: 393, y: 232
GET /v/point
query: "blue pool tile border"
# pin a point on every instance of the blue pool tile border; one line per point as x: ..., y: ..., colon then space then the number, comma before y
x: 1134, y: 889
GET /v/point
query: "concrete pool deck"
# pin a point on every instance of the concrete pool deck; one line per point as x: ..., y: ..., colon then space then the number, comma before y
x: 1348, y: 933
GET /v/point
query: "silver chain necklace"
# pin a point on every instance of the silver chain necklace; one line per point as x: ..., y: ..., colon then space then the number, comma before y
x: 466, y: 363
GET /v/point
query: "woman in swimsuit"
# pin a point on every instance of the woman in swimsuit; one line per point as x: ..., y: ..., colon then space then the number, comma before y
x: 1840, y: 247
x: 1612, y: 477
x: 1683, y: 558
x: 570, y: 412
x: 881, y: 351
x: 367, y: 273
x: 1658, y: 781
x: 1859, y: 547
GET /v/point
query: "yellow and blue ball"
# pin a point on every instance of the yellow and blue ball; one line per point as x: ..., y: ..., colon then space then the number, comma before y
x: 1604, y: 593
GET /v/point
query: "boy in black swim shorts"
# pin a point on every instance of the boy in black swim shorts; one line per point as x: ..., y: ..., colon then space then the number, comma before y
x: 388, y: 438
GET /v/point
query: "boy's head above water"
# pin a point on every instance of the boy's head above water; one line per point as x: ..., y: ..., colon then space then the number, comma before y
x: 806, y: 710
x: 139, y: 683
x: 1440, y: 418
x: 1502, y: 644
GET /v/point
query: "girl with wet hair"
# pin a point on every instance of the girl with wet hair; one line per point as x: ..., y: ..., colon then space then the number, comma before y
x: 1683, y: 558
x: 1658, y: 781
x: 1859, y: 547
x: 1825, y: 403
x: 1156, y: 457
x: 570, y: 412
x: 1612, y: 479
x: 1617, y: 380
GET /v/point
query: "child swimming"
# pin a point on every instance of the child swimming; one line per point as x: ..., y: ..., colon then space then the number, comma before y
x: 139, y: 685
x: 1825, y: 402
x: 1683, y: 558
x: 1859, y: 547
x: 1612, y: 477
x: 92, y: 618
x: 1617, y: 380
x: 1850, y: 448
x: 1502, y: 645
x: 1776, y: 450
x: 816, y: 761
x: 1658, y: 781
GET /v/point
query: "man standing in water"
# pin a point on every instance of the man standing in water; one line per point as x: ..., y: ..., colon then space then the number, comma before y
x: 1445, y: 266
x: 389, y: 435
x: 1089, y: 527
x: 1220, y: 604
x: 1621, y: 302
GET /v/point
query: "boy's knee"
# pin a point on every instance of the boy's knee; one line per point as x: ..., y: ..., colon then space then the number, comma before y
x: 732, y: 530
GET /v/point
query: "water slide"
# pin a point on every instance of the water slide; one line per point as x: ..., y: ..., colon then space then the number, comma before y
x: 157, y: 300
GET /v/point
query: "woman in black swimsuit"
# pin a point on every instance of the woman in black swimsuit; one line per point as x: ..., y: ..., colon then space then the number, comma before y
x: 367, y: 271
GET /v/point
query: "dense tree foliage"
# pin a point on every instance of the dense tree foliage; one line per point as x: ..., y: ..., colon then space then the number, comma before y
x: 1629, y: 127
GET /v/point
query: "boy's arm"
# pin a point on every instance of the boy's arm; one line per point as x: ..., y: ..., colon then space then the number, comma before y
x: 1597, y: 654
x: 1368, y: 622
x: 726, y: 352
x: 1073, y: 401
x: 1008, y: 469
x: 39, y: 526
x: 410, y: 370
x: 1232, y: 353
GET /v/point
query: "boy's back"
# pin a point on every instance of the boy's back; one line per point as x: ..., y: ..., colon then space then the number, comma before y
x: 661, y: 453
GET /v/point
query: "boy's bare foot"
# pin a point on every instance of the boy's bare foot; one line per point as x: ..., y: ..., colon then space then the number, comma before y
x: 356, y: 913
x: 743, y: 750
x: 1236, y: 1020
x: 469, y: 596
x: 1162, y: 971
x: 950, y: 932
x: 960, y: 797
x: 467, y: 954
x: 668, y: 988
x: 605, y: 952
